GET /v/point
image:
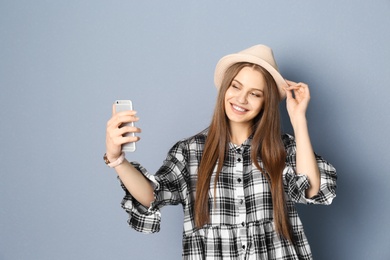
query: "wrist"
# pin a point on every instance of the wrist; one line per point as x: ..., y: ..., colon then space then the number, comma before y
x: 298, y: 121
x: 114, y: 163
x: 111, y: 157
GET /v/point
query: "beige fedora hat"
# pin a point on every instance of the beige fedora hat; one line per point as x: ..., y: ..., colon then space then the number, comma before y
x: 259, y: 54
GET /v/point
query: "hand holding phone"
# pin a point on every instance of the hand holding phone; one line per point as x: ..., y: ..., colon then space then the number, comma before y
x: 123, y: 105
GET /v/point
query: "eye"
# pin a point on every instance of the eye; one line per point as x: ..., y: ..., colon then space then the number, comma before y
x: 256, y: 94
x: 234, y: 86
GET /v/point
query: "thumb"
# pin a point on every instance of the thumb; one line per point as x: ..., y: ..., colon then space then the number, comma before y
x: 113, y: 109
x: 289, y: 94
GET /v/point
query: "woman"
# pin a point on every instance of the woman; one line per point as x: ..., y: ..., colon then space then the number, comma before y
x: 237, y: 180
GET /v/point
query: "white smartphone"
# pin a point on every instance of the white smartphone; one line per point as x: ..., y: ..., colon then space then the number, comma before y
x: 123, y: 105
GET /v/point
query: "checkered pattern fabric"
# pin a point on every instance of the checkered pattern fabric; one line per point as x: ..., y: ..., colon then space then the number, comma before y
x: 241, y: 217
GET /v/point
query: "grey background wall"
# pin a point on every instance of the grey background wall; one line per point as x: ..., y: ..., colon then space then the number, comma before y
x: 63, y: 63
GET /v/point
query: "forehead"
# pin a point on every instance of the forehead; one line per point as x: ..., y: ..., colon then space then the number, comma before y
x: 250, y: 77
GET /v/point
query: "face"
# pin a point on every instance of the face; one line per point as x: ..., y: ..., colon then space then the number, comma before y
x: 245, y: 96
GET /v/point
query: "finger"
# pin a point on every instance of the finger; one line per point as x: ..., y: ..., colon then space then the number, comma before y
x: 129, y: 139
x: 128, y: 130
x: 125, y: 135
x: 290, y: 82
x: 122, y: 135
x: 295, y: 84
x: 117, y: 137
x: 113, y: 109
x: 118, y: 119
x: 126, y: 113
x: 289, y: 93
x: 123, y: 119
x: 301, y: 88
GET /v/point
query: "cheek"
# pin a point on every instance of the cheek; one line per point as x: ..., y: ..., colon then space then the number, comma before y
x: 228, y: 94
x: 258, y: 106
x: 226, y: 103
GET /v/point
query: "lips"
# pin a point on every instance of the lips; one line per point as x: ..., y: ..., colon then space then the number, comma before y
x: 239, y: 109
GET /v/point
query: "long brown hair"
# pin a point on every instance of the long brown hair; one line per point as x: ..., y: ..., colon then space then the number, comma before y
x: 266, y: 144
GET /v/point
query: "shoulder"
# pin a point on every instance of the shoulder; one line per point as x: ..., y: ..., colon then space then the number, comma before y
x: 195, y: 142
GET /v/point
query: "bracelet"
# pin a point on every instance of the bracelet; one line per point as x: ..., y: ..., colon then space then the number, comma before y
x: 115, y: 163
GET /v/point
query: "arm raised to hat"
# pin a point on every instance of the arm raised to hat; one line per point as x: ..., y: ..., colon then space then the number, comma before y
x: 297, y: 101
x: 135, y: 182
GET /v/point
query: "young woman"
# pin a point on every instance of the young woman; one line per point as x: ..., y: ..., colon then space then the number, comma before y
x: 237, y: 180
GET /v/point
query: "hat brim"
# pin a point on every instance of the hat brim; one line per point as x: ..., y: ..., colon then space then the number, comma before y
x: 231, y: 59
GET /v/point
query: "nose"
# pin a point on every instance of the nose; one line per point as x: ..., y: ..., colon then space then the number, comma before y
x: 242, y: 97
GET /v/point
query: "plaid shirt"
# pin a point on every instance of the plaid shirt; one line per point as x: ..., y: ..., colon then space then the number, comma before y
x: 241, y: 218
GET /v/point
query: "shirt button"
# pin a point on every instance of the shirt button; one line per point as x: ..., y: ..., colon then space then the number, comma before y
x: 239, y: 160
x: 243, y: 224
x: 241, y: 201
x: 243, y: 246
x: 239, y: 180
x: 238, y: 150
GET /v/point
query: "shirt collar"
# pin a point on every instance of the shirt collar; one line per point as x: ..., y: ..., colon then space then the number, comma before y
x: 242, y: 147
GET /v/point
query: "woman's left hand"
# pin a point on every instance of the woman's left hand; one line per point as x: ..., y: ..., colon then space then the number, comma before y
x: 297, y: 100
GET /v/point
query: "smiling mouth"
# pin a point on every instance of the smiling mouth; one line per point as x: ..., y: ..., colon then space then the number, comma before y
x: 239, y: 109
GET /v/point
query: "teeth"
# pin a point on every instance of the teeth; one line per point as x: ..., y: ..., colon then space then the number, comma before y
x: 238, y: 108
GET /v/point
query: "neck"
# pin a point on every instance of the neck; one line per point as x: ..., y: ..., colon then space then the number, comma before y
x: 239, y: 133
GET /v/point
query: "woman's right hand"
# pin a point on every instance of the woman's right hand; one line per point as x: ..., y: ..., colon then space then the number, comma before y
x: 134, y: 181
x: 115, y: 133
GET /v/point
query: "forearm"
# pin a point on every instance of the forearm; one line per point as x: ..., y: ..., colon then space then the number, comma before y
x: 306, y: 162
x: 136, y: 183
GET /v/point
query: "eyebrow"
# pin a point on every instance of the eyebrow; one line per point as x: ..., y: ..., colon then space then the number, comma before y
x: 234, y: 80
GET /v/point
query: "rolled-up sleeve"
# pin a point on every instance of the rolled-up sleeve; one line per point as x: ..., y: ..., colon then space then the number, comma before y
x: 296, y: 184
x: 141, y: 218
x: 170, y: 188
